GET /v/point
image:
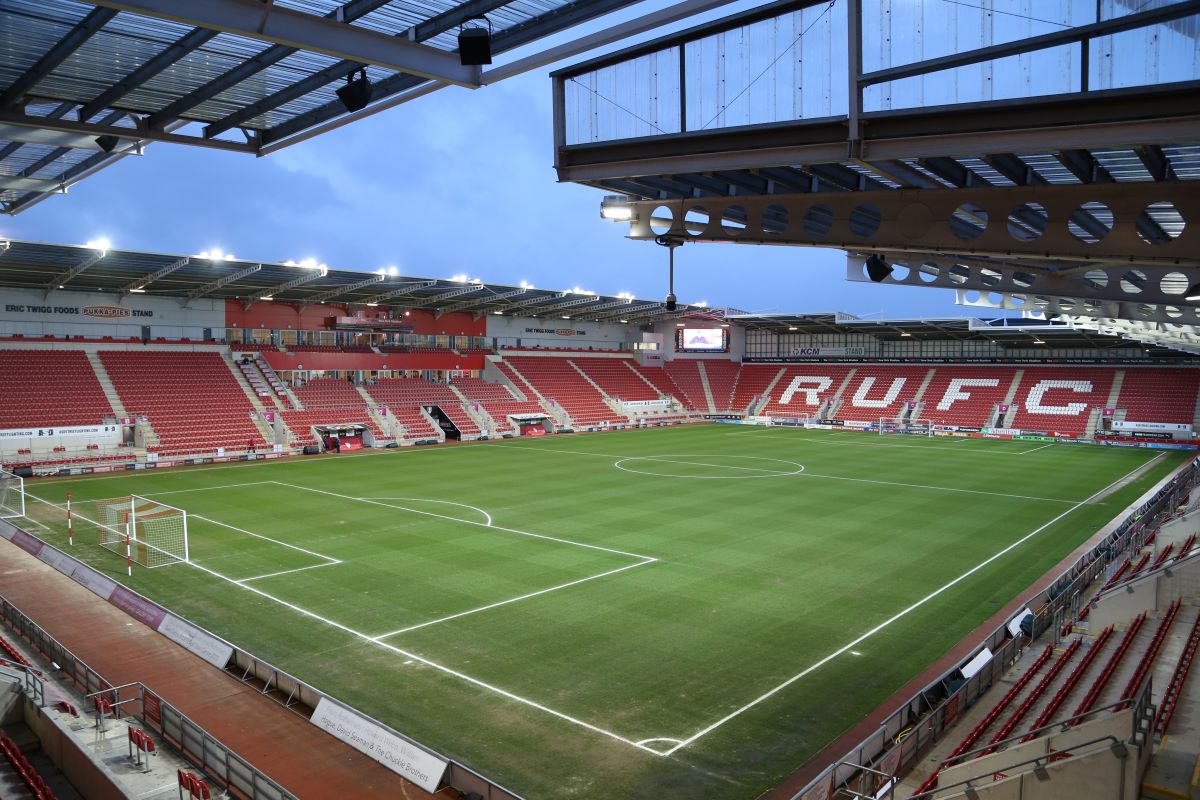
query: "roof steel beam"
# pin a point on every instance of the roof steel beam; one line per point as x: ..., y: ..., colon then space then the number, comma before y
x: 62, y: 279
x: 418, y: 33
x: 56, y: 132
x: 541, y: 300
x: 189, y: 42
x: 60, y: 52
x: 37, y: 185
x: 630, y: 313
x: 572, y: 13
x: 338, y: 291
x: 590, y: 313
x: 295, y: 29
x: 484, y: 301
x: 220, y: 283
x: 142, y: 283
x: 406, y: 289
x: 313, y: 274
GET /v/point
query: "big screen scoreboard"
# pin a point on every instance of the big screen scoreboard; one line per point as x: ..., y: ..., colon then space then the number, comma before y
x: 702, y: 340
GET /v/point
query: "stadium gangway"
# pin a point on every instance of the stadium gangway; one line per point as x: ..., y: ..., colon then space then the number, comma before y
x: 1166, y: 706
x: 28, y: 679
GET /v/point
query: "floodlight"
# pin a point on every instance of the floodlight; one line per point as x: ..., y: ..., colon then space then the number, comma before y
x: 617, y: 208
x: 475, y: 43
x: 107, y: 142
x: 877, y: 268
x: 356, y: 93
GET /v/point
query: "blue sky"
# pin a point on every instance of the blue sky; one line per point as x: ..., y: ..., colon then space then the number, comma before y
x: 458, y: 181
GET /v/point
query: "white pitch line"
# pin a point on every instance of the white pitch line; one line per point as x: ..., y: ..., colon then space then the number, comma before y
x: 901, y: 614
x: 446, y: 502
x: 1034, y: 450
x: 470, y: 522
x: 778, y: 434
x: 513, y: 600
x: 807, y: 474
x: 330, y: 559
x: 433, y: 664
x: 288, y: 571
x: 205, y: 488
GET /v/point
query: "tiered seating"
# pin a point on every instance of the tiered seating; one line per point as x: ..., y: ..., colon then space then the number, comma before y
x: 614, y: 376
x: 358, y: 348
x: 661, y: 379
x: 1093, y: 694
x: 409, y: 394
x: 752, y: 380
x: 556, y: 379
x: 49, y: 388
x: 1010, y: 725
x: 68, y: 458
x: 685, y: 375
x: 1062, y: 408
x: 253, y: 347
x: 989, y: 719
x: 1149, y: 654
x: 193, y: 401
x: 327, y: 401
x: 1185, y: 549
x: 1069, y: 685
x: 1166, y: 707
x: 496, y: 399
x: 873, y: 384
x: 798, y: 402
x: 973, y: 411
x: 1152, y: 394
x: 722, y: 377
x: 29, y: 776
x: 13, y: 655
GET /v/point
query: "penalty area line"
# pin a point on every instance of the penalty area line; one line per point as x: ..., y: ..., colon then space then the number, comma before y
x: 490, y: 606
x: 770, y: 693
x: 432, y: 664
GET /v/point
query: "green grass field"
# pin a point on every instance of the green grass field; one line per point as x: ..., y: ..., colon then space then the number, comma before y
x: 687, y: 612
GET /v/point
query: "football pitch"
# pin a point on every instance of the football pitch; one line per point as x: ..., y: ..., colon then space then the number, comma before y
x: 684, y: 612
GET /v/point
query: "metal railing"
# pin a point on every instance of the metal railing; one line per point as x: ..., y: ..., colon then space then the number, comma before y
x: 190, y: 740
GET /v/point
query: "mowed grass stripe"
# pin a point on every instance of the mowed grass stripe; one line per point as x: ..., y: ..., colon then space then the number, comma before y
x: 755, y: 580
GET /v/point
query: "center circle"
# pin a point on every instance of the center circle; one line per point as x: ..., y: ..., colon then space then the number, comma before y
x: 709, y: 467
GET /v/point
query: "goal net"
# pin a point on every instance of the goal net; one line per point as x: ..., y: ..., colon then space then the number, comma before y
x: 12, y: 496
x: 157, y: 532
x: 912, y: 427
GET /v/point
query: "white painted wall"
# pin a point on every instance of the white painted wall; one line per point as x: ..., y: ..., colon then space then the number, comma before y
x: 531, y: 332
x: 31, y: 313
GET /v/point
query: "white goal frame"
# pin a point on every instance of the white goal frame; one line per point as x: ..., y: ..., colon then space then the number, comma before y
x: 134, y: 527
x: 905, y: 428
x: 8, y: 508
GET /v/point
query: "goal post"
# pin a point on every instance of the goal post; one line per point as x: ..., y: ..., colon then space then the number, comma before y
x: 913, y: 427
x: 12, y: 496
x: 157, y: 532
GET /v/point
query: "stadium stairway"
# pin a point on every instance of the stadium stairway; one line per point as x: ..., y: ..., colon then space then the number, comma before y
x: 106, y: 384
x: 720, y: 377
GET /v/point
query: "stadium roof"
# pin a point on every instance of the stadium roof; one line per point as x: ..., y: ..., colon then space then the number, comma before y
x: 1010, y: 332
x: 89, y: 268
x: 85, y: 84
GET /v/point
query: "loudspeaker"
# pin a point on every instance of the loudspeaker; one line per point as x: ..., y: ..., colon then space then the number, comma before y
x: 312, y: 449
x: 23, y: 472
x: 474, y: 47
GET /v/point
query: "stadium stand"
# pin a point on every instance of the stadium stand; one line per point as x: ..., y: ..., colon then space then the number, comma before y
x: 328, y: 401
x: 1150, y: 394
x: 556, y: 379
x: 192, y: 399
x: 805, y: 382
x: 684, y: 375
x: 405, y: 396
x: 496, y: 399
x: 944, y: 403
x: 1060, y: 399
x: 615, y: 378
x: 29, y: 776
x: 722, y: 376
x: 49, y: 388
x: 314, y: 348
x: 661, y: 380
x: 878, y: 391
x: 752, y: 380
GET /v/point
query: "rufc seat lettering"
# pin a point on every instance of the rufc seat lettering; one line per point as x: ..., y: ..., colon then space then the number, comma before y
x: 808, y: 385
x: 955, y: 390
x: 1034, y: 405
x: 860, y: 397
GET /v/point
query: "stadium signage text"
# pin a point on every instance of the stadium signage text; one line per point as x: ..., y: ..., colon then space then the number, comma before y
x: 67, y: 431
x: 557, y: 331
x: 104, y: 312
x: 828, y: 352
x: 374, y: 741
